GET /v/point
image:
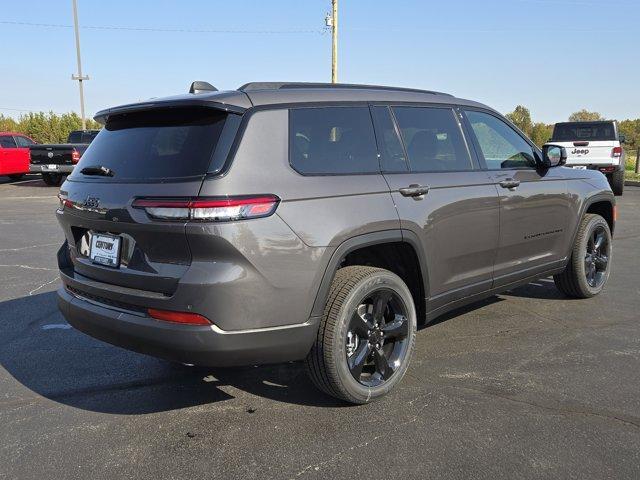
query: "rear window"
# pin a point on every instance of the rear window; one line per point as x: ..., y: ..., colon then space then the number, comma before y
x: 155, y: 145
x: 24, y: 141
x: 332, y: 140
x: 82, y: 137
x: 587, y: 131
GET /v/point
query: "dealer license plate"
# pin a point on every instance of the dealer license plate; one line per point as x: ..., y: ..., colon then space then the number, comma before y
x: 105, y: 249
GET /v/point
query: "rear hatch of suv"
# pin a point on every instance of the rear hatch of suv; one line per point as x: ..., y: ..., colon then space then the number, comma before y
x: 588, y: 143
x: 159, y: 153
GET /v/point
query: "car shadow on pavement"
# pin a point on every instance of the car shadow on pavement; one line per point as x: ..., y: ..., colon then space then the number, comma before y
x: 33, y: 180
x: 543, y: 289
x: 51, y: 359
x: 40, y: 350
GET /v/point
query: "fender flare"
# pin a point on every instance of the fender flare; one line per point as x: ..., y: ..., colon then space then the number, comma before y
x: 598, y: 197
x: 367, y: 240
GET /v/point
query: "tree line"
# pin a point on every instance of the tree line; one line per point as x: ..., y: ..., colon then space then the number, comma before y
x: 54, y: 128
x: 45, y: 127
x: 541, y: 132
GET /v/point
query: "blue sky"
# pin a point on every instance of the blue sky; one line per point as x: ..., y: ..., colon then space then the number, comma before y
x: 554, y: 57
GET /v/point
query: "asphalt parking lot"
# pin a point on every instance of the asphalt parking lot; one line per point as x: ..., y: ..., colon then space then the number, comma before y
x: 524, y: 385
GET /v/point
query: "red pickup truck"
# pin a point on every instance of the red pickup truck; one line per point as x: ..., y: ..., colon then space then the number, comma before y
x: 14, y: 154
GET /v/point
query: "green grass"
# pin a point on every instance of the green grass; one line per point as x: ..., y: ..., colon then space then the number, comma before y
x: 629, y: 173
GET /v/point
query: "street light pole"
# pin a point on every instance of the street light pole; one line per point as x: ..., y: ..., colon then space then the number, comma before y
x: 79, y: 76
x: 334, y: 42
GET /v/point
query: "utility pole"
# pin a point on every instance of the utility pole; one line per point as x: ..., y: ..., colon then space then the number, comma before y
x: 332, y: 22
x: 79, y: 76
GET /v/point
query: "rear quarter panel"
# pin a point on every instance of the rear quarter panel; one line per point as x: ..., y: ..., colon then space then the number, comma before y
x: 320, y: 213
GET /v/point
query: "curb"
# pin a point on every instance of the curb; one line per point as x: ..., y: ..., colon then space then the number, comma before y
x: 632, y: 183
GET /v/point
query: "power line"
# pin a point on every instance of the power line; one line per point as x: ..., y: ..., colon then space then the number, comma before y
x: 322, y: 31
x: 156, y: 29
x: 26, y: 110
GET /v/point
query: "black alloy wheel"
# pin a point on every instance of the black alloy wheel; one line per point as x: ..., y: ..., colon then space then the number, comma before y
x: 377, y: 339
x: 366, y: 335
x: 596, y: 260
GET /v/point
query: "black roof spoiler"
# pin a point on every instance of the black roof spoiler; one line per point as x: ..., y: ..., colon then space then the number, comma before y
x: 103, y: 115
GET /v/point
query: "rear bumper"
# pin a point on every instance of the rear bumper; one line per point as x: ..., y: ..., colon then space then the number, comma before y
x: 42, y: 168
x: 613, y: 166
x: 200, y: 345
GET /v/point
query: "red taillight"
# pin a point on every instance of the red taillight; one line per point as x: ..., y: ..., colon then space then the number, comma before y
x: 75, y: 156
x: 209, y: 209
x: 616, y: 152
x: 178, y: 317
x: 615, y: 213
x: 64, y: 201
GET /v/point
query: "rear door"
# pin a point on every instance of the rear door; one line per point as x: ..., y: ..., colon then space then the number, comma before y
x: 22, y: 156
x: 535, y: 208
x: 441, y: 195
x: 157, y: 153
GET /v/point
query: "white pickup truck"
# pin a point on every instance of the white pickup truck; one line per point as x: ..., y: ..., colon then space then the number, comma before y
x: 593, y: 145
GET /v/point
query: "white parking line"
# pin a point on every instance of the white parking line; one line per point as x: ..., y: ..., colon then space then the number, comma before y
x: 26, y: 181
x: 56, y: 326
x: 28, y: 198
x: 26, y: 248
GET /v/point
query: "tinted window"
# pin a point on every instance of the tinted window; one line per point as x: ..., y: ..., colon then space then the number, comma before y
x: 80, y: 136
x: 156, y: 145
x: 433, y: 139
x: 7, y: 142
x: 75, y: 137
x: 392, y: 153
x: 24, y: 141
x: 329, y: 140
x: 501, y: 146
x: 589, y: 131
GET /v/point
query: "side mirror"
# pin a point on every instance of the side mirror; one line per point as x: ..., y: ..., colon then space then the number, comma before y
x: 553, y: 156
x: 622, y: 138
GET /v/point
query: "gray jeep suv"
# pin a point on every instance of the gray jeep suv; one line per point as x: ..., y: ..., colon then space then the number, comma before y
x: 287, y: 221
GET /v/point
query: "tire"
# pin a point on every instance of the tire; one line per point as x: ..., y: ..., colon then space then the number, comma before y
x: 617, y: 182
x: 574, y: 280
x: 332, y: 362
x: 16, y: 176
x: 52, y: 179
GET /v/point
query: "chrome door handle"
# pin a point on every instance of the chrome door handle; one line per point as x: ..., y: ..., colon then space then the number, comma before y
x: 414, y: 190
x: 510, y: 183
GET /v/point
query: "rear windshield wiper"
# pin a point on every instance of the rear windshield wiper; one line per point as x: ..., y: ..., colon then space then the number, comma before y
x: 97, y: 170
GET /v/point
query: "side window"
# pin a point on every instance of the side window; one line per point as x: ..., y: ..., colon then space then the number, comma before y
x: 392, y: 155
x: 501, y: 145
x: 433, y: 139
x: 24, y: 142
x: 7, y: 142
x: 332, y: 140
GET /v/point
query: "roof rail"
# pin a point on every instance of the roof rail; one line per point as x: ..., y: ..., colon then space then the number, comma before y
x: 291, y: 85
